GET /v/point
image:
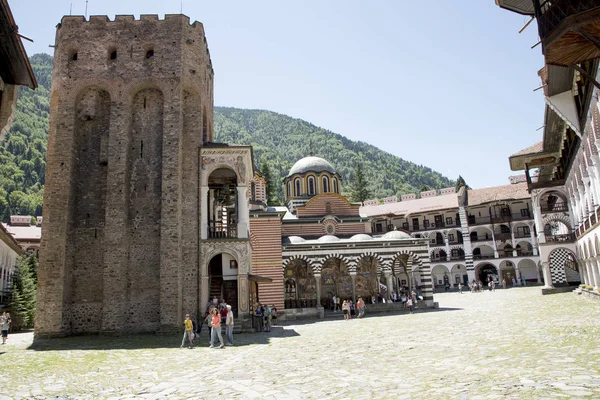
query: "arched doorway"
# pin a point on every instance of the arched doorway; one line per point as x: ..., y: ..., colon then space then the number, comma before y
x: 223, y: 279
x: 367, y: 284
x: 486, y: 271
x: 222, y: 204
x: 528, y: 271
x: 335, y: 279
x: 507, y: 271
x: 459, y: 274
x: 563, y: 267
x: 300, y: 285
x: 440, y: 275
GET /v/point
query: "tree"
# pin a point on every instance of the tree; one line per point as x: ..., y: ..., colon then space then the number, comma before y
x: 460, y: 182
x: 359, y: 190
x: 267, y: 174
x: 22, y: 296
x: 425, y: 188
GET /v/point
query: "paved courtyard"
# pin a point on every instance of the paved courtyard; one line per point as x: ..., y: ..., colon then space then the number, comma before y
x: 507, y: 344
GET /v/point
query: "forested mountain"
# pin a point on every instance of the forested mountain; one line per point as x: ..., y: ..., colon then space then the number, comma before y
x: 23, y: 150
x: 278, y: 141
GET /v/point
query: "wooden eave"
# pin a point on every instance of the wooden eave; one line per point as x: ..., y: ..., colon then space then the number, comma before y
x: 15, y: 68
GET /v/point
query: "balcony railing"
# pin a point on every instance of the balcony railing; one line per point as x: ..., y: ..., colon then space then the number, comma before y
x: 502, y: 236
x: 550, y: 14
x: 217, y: 231
x: 472, y: 220
x: 520, y: 235
x: 481, y: 239
x: 556, y: 207
x: 482, y: 256
x: 569, y: 237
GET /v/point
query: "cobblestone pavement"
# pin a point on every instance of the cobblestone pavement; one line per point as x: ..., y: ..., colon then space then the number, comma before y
x: 507, y: 344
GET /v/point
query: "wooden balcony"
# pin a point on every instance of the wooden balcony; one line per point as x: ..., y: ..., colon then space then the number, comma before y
x: 569, y: 30
x: 566, y: 238
x: 217, y: 231
x: 554, y: 208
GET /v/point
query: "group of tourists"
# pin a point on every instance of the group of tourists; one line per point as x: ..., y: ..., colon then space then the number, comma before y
x: 264, y: 317
x: 217, y: 315
x: 351, y: 309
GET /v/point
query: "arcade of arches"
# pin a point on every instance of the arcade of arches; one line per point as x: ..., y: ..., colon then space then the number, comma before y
x: 309, y: 286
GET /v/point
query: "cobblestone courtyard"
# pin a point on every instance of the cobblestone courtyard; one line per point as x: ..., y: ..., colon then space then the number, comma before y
x: 507, y: 344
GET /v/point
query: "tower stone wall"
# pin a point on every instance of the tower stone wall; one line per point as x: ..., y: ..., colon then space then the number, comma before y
x: 131, y: 103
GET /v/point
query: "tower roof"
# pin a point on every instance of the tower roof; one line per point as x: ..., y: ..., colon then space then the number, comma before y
x: 311, y: 163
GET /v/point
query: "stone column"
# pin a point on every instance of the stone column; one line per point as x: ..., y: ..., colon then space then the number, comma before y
x: 518, y: 276
x: 242, y: 226
x: 204, y: 212
x: 388, y: 281
x: 243, y: 294
x: 596, y: 273
x: 447, y: 243
x: 494, y: 243
x: 586, y: 268
x: 538, y: 220
x: 533, y: 241
x: 353, y: 277
x: 547, y: 274
x: 204, y: 294
x: 318, y: 288
x: 537, y: 272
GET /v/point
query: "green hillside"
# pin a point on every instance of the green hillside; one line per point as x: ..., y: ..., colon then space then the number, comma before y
x: 278, y: 141
x: 23, y: 150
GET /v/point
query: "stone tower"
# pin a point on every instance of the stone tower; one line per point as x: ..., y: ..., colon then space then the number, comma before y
x: 131, y: 105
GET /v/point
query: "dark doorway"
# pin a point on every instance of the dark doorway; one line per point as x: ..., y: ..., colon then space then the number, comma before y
x: 486, y: 272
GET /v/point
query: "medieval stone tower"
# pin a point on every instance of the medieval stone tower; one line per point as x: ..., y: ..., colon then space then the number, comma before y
x: 131, y: 105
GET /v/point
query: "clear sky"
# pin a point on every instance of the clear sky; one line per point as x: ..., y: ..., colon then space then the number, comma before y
x: 448, y: 85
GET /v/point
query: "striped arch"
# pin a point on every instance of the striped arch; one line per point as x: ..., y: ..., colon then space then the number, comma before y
x: 456, y: 247
x: 410, y: 254
x: 557, y: 217
x: 382, y: 262
x: 288, y: 260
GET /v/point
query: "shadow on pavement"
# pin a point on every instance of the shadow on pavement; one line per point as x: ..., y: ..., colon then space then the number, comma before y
x: 152, y: 341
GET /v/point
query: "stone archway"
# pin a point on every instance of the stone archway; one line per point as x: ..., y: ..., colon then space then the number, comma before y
x: 335, y: 279
x: 223, y: 279
x: 484, y: 271
x: 299, y: 285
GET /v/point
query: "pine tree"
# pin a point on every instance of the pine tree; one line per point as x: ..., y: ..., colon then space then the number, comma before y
x: 22, y: 298
x: 359, y: 191
x: 267, y: 174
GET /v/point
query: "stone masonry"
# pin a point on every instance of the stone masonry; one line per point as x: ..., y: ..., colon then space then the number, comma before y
x: 131, y: 103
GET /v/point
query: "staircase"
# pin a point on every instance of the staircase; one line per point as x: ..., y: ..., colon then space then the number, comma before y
x: 216, y: 285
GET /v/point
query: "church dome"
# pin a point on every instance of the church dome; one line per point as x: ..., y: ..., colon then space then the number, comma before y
x: 328, y: 239
x: 396, y: 235
x: 311, y: 163
x: 361, y: 237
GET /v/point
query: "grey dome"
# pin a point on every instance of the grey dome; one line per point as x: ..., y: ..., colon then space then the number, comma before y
x: 361, y: 237
x: 295, y: 239
x: 328, y: 239
x: 316, y: 164
x: 396, y: 235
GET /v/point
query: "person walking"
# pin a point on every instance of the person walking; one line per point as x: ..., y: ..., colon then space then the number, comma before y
x: 504, y: 283
x: 459, y: 288
x: 345, y: 309
x: 5, y: 325
x: 409, y: 303
x: 229, y: 326
x: 274, y: 314
x: 258, y: 318
x: 333, y: 301
x: 268, y: 318
x: 188, y: 331
x: 361, y: 307
x: 216, y: 329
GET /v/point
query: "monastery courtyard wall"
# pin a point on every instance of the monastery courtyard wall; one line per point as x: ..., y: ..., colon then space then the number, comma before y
x: 512, y: 343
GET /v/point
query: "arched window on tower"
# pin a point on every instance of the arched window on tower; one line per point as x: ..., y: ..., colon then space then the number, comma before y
x: 311, y: 186
x: 325, y: 184
x: 335, y: 186
x: 289, y: 189
x: 297, y: 187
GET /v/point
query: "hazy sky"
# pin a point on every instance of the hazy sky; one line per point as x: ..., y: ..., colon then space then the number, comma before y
x: 449, y: 85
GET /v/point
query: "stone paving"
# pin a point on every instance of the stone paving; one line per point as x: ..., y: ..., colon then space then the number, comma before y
x: 513, y: 344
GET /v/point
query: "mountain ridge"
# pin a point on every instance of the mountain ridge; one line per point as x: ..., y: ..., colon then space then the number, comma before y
x: 278, y: 140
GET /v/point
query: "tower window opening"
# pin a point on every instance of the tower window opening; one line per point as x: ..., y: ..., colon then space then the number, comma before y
x: 113, y: 55
x: 73, y: 56
x: 150, y: 53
